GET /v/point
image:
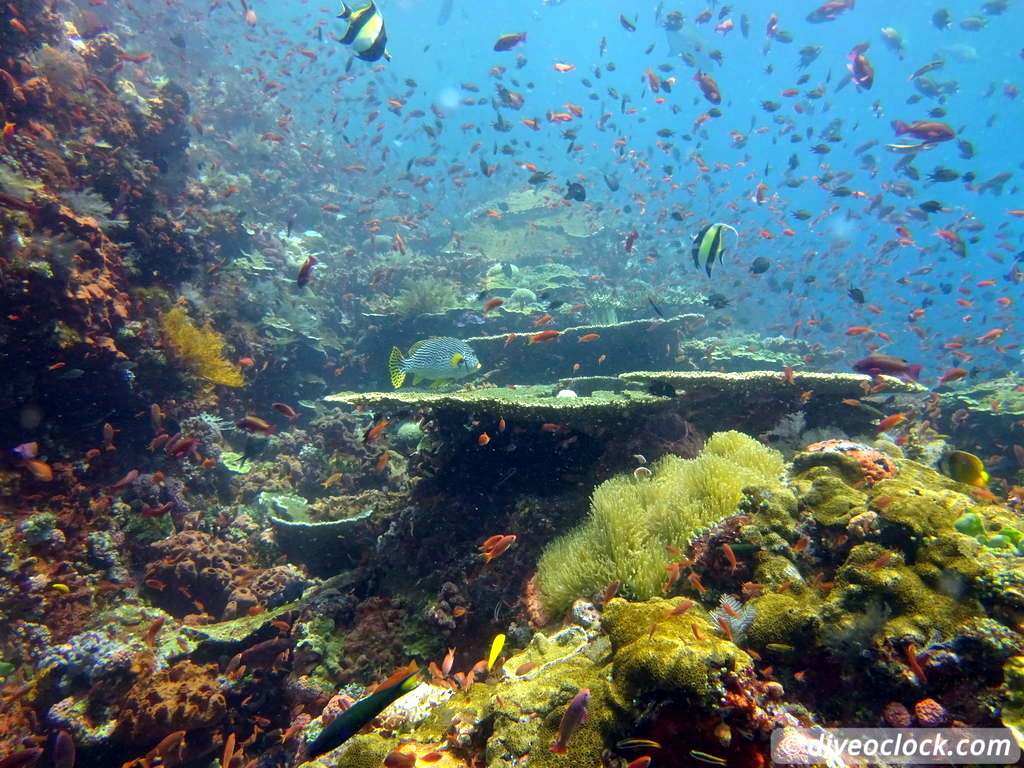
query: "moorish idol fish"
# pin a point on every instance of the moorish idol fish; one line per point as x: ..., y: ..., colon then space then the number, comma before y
x: 365, y: 32
x: 709, y: 245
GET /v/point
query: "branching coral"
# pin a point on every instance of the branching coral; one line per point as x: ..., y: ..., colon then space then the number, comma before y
x: 633, y: 521
x: 201, y: 350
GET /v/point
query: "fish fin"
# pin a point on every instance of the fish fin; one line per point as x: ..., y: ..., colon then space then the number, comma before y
x: 400, y: 676
x: 414, y: 347
x: 345, y: 12
x: 439, y: 383
x: 395, y: 368
x: 698, y: 243
x: 558, y: 749
x: 457, y: 360
x: 416, y: 379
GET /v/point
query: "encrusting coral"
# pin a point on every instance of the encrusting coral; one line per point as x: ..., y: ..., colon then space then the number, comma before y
x: 195, y: 570
x: 633, y: 519
x: 201, y: 350
x: 183, y: 697
x: 658, y: 649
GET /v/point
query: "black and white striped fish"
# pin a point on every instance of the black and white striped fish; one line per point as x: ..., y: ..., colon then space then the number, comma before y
x: 365, y: 32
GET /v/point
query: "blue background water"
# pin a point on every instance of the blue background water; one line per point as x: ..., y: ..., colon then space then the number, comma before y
x: 840, y: 250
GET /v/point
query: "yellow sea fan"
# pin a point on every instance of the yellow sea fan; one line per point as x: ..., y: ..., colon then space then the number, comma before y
x: 201, y: 350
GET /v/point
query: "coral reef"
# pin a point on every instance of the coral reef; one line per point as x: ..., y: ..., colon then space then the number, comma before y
x: 658, y: 651
x: 856, y: 460
x: 204, y: 560
x: 424, y: 295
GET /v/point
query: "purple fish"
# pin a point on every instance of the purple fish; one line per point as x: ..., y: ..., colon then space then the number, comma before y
x: 575, y: 714
x: 26, y: 450
x: 873, y: 365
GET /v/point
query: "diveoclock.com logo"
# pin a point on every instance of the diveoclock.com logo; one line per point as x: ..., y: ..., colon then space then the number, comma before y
x: 838, y: 747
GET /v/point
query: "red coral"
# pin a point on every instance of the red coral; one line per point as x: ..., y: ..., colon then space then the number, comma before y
x: 874, y: 464
x: 534, y: 606
x: 931, y: 714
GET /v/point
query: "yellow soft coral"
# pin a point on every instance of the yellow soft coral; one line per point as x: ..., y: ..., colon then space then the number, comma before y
x: 201, y: 350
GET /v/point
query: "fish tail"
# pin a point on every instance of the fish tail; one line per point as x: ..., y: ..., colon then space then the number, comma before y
x: 558, y: 749
x: 395, y: 367
x: 913, y: 371
x: 900, y: 127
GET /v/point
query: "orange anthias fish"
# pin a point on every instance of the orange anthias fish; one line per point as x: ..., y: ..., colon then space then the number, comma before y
x: 306, y: 271
x: 40, y: 470
x: 256, y: 425
x: 575, y: 714
x: 508, y: 42
x: 891, y: 421
x: 373, y: 432
x: 289, y: 413
x: 953, y: 374
x: 543, y: 336
x: 708, y: 87
x: 496, y: 545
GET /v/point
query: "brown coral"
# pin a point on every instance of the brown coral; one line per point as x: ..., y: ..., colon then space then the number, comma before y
x: 197, y: 571
x: 181, y: 698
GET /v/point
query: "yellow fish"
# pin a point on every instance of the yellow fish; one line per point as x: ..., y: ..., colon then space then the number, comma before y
x: 965, y: 467
x: 496, y: 646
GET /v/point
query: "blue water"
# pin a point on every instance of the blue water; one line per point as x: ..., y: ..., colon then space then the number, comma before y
x: 838, y: 247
